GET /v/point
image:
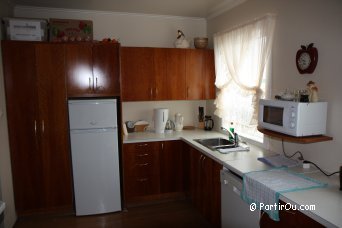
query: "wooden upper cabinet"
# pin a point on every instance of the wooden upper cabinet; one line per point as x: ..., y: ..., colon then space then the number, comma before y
x: 167, y: 74
x: 79, y: 69
x: 209, y: 75
x: 194, y: 74
x: 137, y: 74
x: 175, y: 68
x: 92, y: 69
x: 169, y: 71
x: 106, y: 69
x: 160, y: 74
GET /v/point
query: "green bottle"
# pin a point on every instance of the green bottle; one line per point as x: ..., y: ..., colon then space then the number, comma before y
x: 231, y: 129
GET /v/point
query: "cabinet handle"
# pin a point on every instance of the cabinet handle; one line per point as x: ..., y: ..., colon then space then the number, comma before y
x: 96, y: 88
x: 162, y: 145
x: 142, y: 179
x: 203, y: 160
x: 151, y: 93
x: 200, y: 160
x: 156, y: 91
x: 144, y: 164
x: 141, y: 145
x: 43, y: 126
x: 142, y: 155
x: 89, y: 83
x: 35, y: 127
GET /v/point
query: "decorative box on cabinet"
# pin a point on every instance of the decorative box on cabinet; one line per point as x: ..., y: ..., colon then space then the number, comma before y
x: 93, y: 69
x: 37, y: 124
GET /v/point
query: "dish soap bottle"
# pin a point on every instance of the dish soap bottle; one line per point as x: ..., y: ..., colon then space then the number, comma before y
x: 231, y: 131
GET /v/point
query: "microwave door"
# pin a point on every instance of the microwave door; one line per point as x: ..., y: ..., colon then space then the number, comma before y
x: 273, y: 115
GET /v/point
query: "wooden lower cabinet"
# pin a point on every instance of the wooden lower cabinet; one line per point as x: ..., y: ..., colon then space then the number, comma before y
x: 169, y: 170
x: 152, y: 171
x: 288, y: 218
x: 205, y: 186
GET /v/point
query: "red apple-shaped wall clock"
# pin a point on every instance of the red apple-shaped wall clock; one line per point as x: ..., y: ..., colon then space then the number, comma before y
x: 306, y: 59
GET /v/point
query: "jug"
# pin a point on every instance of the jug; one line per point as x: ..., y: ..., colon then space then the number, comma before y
x: 178, y: 122
x: 208, y: 123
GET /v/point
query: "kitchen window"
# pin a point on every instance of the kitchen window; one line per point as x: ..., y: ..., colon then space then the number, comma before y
x: 242, y: 64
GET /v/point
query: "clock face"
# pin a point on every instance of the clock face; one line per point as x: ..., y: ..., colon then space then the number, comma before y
x: 304, y: 61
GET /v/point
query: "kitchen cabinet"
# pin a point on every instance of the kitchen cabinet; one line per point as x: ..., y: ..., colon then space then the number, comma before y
x: 167, y: 74
x: 170, y: 73
x: 200, y: 74
x: 92, y: 69
x: 137, y: 74
x: 194, y: 74
x: 36, y: 98
x: 171, y: 167
x: 205, y: 186
x: 288, y: 218
x: 152, y: 171
x: 140, y: 171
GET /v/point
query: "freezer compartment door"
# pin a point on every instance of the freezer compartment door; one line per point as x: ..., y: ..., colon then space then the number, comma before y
x: 95, y: 164
x: 87, y: 114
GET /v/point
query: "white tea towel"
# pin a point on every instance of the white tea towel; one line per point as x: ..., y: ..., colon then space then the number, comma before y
x: 264, y: 188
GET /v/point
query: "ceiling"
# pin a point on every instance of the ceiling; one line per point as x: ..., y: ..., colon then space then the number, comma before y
x: 187, y: 8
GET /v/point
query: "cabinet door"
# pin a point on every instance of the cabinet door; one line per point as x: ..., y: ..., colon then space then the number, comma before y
x: 194, y: 74
x: 140, y: 170
x: 160, y: 74
x: 137, y: 73
x: 215, y: 216
x: 106, y: 69
x: 171, y: 167
x: 175, y: 68
x: 19, y: 75
x: 53, y: 126
x: 209, y: 75
x: 79, y: 69
x: 206, y: 186
x: 194, y: 176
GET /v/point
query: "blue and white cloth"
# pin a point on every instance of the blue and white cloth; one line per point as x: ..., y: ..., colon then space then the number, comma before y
x: 264, y: 188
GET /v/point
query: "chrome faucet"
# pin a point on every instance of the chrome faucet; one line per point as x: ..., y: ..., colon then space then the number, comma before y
x: 234, y: 135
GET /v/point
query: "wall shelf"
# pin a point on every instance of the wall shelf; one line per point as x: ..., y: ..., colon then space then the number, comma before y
x: 288, y: 138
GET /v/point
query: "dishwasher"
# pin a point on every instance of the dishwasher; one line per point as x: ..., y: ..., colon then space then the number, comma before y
x: 234, y: 211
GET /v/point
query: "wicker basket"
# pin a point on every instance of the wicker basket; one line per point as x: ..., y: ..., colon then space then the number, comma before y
x: 140, y: 128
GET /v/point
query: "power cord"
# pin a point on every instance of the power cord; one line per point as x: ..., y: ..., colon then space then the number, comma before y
x: 328, y: 175
x: 301, y: 157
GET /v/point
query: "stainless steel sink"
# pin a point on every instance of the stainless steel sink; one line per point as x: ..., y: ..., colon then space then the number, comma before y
x: 216, y: 143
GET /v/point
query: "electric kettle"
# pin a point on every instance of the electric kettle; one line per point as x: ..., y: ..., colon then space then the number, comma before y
x: 178, y: 122
x: 208, y: 123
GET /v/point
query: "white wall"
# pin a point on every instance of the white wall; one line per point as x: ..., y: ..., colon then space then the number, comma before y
x: 144, y: 110
x: 132, y: 29
x: 140, y: 30
x: 6, y: 185
x: 300, y: 23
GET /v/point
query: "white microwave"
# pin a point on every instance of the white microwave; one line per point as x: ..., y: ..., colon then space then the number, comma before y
x: 293, y: 118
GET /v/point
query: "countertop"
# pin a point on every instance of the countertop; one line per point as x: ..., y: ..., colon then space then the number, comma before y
x: 327, y: 201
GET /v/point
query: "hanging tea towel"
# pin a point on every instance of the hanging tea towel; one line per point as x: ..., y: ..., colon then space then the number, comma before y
x: 266, y: 186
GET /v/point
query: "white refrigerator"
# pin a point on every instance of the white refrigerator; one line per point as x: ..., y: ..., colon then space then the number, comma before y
x: 95, y: 155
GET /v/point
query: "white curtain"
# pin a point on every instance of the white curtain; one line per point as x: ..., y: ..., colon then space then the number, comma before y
x: 241, y: 56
